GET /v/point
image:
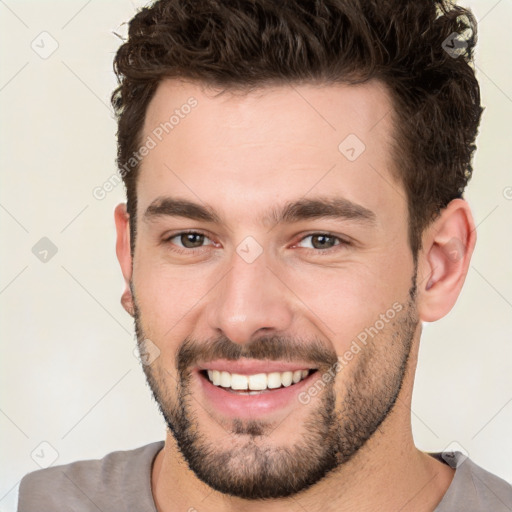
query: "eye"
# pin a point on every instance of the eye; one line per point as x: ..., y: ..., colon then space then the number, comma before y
x: 324, y: 242
x: 189, y: 241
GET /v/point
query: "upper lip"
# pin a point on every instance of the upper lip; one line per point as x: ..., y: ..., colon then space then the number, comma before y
x: 251, y: 366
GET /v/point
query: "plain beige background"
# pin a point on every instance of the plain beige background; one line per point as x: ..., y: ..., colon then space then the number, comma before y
x: 69, y: 377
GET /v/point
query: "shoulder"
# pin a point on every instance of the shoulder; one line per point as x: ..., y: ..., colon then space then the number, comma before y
x: 473, y: 488
x: 90, y: 484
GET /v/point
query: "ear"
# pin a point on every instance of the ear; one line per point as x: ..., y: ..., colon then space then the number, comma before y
x: 443, y: 262
x: 122, y: 220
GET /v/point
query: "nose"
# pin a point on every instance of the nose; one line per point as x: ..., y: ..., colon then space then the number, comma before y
x: 250, y: 299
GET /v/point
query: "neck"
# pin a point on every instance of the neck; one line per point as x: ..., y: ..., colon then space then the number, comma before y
x: 387, y: 474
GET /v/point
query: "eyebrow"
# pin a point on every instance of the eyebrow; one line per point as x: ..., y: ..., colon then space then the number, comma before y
x: 337, y: 208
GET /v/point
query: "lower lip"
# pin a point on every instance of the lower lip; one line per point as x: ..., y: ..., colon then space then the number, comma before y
x: 243, y: 405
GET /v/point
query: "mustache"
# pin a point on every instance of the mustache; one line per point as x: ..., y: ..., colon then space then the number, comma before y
x: 274, y: 348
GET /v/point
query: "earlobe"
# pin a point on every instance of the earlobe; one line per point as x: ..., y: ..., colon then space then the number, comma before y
x: 127, y: 301
x: 448, y: 245
x: 122, y: 221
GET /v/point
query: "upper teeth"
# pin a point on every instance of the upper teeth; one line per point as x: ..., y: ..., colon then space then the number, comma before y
x: 259, y: 381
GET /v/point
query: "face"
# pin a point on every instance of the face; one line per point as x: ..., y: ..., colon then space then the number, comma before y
x: 272, y: 252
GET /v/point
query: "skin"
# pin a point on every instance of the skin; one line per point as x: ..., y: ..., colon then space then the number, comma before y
x: 241, y: 155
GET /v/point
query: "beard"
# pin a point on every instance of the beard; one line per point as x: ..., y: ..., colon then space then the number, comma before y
x: 338, y: 424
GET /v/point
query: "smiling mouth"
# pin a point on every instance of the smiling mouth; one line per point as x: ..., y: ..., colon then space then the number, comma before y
x: 255, y: 384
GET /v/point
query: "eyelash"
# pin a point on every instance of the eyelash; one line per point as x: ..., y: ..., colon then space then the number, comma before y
x: 340, y: 245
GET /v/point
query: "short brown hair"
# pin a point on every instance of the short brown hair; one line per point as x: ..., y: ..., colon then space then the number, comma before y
x: 410, y: 46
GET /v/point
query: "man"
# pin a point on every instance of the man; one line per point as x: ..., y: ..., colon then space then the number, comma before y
x: 294, y: 174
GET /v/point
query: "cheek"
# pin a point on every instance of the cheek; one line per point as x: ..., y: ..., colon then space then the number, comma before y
x: 343, y: 302
x: 166, y: 295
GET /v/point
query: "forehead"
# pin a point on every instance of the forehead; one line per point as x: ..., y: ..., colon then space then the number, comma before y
x: 276, y: 142
x: 281, y: 112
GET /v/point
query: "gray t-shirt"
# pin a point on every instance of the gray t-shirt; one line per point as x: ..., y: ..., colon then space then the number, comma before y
x: 121, y: 482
